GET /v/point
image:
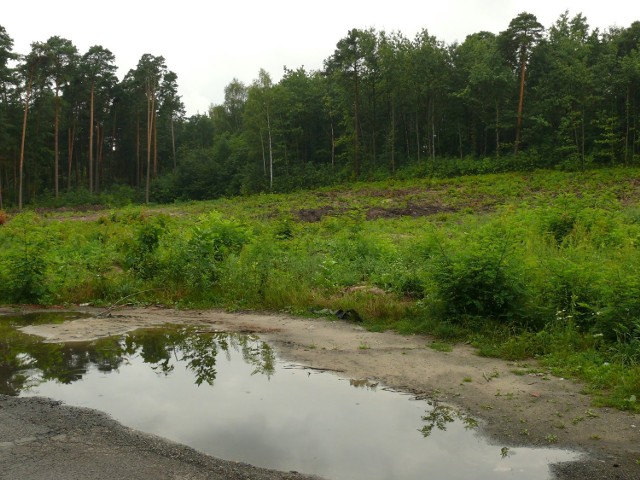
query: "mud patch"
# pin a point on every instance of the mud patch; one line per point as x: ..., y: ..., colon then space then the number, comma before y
x: 411, y: 210
x: 312, y: 215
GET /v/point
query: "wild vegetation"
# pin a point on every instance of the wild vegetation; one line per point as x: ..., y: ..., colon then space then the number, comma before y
x: 459, y: 233
x: 383, y: 105
x: 539, y: 264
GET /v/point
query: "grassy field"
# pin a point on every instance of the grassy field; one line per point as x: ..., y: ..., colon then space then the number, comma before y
x: 524, y: 265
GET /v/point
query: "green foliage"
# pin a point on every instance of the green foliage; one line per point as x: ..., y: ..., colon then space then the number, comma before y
x: 142, y: 256
x: 196, y: 260
x: 480, y: 283
x: 25, y: 264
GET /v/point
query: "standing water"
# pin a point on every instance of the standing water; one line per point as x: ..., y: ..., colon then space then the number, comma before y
x: 230, y: 396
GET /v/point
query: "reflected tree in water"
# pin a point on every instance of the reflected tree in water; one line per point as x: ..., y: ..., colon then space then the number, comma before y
x: 441, y: 415
x: 25, y: 362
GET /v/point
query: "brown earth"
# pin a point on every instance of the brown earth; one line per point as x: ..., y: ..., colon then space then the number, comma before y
x: 514, y: 408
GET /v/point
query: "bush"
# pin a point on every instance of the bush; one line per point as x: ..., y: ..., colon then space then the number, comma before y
x: 195, y: 261
x: 481, y: 283
x: 141, y: 257
x: 26, y: 279
x: 24, y: 248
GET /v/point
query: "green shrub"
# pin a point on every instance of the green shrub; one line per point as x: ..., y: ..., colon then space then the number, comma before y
x: 24, y: 248
x: 141, y: 256
x: 195, y: 260
x: 480, y: 283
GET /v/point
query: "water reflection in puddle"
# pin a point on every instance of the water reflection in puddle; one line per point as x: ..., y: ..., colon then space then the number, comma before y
x: 230, y: 396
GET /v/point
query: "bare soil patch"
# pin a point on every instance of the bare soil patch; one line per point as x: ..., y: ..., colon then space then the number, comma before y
x: 312, y: 215
x: 411, y: 210
x: 513, y: 407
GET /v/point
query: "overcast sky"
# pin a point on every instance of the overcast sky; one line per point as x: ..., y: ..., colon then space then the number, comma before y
x: 209, y: 43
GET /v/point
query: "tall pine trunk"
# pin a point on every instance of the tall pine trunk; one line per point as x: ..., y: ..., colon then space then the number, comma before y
x: 150, y: 117
x: 24, y: 136
x: 173, y: 144
x: 497, y: 130
x: 523, y: 70
x: 155, y: 145
x: 70, y: 145
x: 393, y: 134
x: 91, y: 140
x: 56, y: 142
x: 138, y: 174
x: 270, y: 151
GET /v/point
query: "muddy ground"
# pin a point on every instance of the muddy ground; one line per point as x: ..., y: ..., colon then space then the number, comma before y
x: 514, y: 407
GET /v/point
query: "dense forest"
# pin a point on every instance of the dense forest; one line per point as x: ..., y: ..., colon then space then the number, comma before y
x: 565, y: 96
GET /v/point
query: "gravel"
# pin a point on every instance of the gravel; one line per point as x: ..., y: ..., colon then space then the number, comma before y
x: 44, y: 439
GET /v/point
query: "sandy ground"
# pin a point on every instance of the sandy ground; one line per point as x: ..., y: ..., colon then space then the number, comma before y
x: 513, y: 408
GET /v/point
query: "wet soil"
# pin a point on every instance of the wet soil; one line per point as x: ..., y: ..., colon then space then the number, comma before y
x: 514, y: 407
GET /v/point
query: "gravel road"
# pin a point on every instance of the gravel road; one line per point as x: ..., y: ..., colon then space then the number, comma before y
x: 41, y: 439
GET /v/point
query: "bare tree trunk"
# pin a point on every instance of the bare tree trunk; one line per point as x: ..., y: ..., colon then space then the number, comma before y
x: 91, y: 140
x: 155, y: 144
x: 264, y: 155
x: 582, y: 147
x: 520, y: 101
x: 270, y: 151
x: 99, y: 151
x: 24, y: 136
x: 150, y: 118
x: 418, y: 137
x: 406, y: 136
x: 173, y: 144
x: 433, y: 130
x: 497, y: 130
x: 393, y: 135
x: 138, y: 166
x: 56, y: 143
x: 627, y: 106
x: 77, y: 166
x: 333, y: 147
x: 356, y: 120
x: 70, y: 145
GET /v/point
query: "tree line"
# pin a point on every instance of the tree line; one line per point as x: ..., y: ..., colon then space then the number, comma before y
x: 565, y: 96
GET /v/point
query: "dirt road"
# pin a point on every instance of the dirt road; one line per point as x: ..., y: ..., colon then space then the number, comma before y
x: 514, y: 407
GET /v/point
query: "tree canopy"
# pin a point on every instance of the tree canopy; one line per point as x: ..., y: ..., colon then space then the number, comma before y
x: 566, y: 96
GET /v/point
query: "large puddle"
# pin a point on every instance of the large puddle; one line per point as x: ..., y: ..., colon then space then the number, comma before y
x: 229, y: 395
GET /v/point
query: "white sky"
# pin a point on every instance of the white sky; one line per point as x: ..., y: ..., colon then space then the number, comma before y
x: 208, y: 43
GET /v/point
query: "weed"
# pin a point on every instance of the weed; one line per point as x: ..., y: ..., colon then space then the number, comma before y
x: 491, y: 376
x: 441, y: 347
